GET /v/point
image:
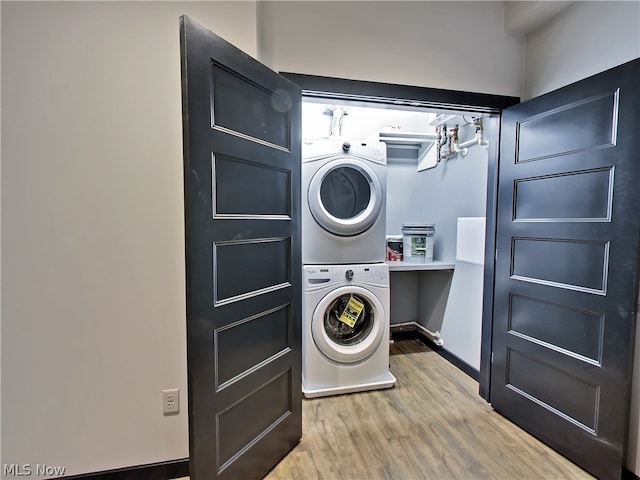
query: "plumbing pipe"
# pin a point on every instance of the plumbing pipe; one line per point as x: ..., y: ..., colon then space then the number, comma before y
x: 337, y: 116
x: 451, y: 138
x: 441, y: 141
x: 468, y: 143
x: 433, y: 336
x: 463, y: 147
x: 411, y: 326
x: 446, y: 155
x: 474, y: 141
x: 444, y: 136
x: 336, y: 122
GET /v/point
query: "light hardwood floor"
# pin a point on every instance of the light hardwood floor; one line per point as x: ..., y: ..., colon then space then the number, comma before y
x: 431, y: 425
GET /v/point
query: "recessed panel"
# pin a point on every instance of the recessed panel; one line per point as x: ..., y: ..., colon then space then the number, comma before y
x: 236, y: 350
x: 554, y: 389
x: 245, y: 422
x: 576, y: 127
x: 250, y: 267
x: 573, y: 196
x: 567, y: 264
x: 235, y: 98
x: 243, y: 188
x: 557, y: 326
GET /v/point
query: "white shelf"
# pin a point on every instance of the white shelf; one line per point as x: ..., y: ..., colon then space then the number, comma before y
x: 411, y: 267
x: 421, y: 142
x: 416, y: 140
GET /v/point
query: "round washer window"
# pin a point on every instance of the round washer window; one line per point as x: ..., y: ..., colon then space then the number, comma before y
x: 345, y: 192
x: 345, y: 344
x: 341, y: 333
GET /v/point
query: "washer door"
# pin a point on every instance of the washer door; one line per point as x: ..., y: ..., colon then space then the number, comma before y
x: 343, y: 343
x: 345, y: 197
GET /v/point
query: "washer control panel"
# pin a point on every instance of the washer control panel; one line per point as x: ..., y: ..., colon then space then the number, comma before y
x: 375, y: 274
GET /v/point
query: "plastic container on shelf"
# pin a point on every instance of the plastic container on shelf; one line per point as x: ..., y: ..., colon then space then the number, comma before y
x: 417, y: 242
x: 394, y: 248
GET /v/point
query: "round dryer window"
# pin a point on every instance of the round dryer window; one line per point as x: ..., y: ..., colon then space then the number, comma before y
x: 345, y: 197
x: 348, y: 324
x: 345, y: 192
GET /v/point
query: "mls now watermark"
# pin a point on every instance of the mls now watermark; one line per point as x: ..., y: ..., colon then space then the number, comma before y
x: 28, y: 469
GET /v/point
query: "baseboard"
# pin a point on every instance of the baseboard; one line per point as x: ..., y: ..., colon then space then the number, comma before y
x: 153, y: 471
x: 410, y: 330
x: 629, y: 475
x: 458, y: 362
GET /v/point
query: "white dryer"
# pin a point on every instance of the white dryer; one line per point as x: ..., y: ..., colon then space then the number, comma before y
x: 345, y: 339
x: 343, y: 195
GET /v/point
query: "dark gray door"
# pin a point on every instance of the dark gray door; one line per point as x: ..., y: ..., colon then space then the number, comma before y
x: 243, y: 264
x: 567, y: 266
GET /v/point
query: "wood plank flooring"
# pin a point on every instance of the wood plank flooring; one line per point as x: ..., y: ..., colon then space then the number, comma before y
x: 431, y: 425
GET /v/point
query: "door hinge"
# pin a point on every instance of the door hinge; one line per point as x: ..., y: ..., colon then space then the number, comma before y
x: 491, y: 357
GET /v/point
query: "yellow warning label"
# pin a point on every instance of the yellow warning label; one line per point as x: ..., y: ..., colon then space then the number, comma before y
x: 352, y: 312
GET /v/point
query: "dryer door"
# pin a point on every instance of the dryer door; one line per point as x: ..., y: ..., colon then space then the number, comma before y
x: 345, y: 197
x: 343, y: 339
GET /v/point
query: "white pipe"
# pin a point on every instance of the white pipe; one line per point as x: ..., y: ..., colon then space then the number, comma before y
x: 444, y: 156
x: 468, y: 143
x: 336, y: 122
x: 463, y: 147
x: 433, y: 336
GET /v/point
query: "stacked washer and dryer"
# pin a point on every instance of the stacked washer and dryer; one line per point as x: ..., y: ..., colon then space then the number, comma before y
x: 345, y: 319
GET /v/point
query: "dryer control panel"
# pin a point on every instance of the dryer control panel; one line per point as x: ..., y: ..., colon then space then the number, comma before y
x: 373, y: 151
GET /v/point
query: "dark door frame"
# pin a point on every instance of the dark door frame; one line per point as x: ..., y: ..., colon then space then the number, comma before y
x: 422, y: 98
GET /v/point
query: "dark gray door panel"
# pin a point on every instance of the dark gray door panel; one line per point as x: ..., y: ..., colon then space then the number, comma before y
x: 566, y: 271
x: 243, y: 265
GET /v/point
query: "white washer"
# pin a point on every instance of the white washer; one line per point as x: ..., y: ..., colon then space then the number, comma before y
x: 343, y: 195
x: 338, y: 358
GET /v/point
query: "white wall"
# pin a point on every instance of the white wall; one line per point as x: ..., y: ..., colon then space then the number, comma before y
x: 457, y: 187
x: 584, y: 39
x: 461, y: 328
x: 525, y: 17
x: 451, y: 45
x: 93, y: 302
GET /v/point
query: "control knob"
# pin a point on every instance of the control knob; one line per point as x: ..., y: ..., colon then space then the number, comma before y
x: 349, y: 274
x: 346, y: 146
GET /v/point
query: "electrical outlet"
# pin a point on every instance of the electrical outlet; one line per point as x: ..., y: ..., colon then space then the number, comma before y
x: 171, y: 401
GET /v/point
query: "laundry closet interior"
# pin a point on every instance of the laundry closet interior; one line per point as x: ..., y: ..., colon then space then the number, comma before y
x: 436, y: 174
